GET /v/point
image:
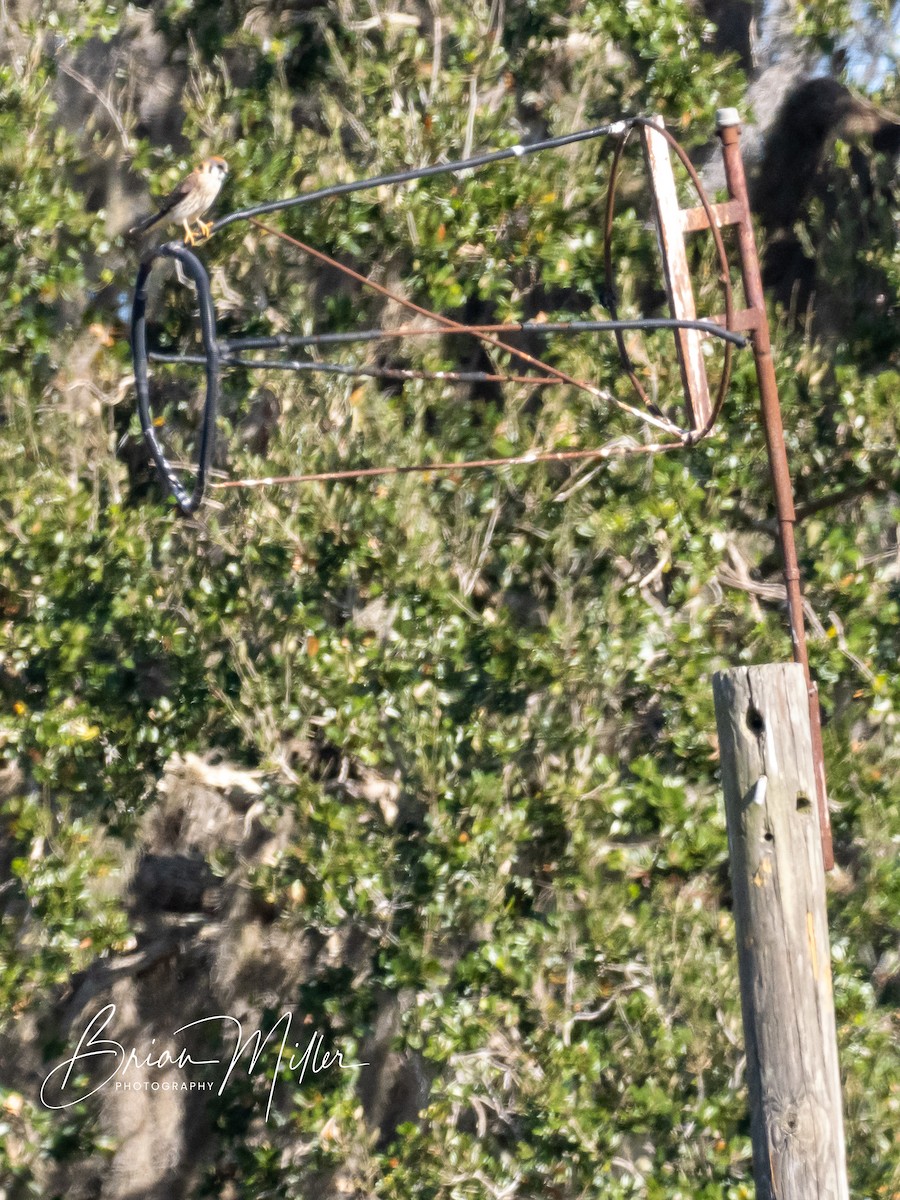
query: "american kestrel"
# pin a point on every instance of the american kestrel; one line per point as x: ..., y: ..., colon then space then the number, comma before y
x: 190, y: 200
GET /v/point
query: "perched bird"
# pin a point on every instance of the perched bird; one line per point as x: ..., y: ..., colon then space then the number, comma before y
x: 190, y: 200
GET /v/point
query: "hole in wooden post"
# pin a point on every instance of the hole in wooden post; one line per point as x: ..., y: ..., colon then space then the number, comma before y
x: 804, y: 804
x: 755, y: 722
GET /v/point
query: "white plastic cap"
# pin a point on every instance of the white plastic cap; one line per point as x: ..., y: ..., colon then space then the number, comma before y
x: 726, y: 117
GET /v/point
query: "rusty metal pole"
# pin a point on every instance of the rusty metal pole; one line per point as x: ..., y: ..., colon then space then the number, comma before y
x: 729, y: 130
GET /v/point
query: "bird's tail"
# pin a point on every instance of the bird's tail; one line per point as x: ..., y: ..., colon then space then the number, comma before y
x: 143, y: 226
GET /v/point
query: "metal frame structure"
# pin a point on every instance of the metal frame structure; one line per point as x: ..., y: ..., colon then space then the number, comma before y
x: 673, y: 225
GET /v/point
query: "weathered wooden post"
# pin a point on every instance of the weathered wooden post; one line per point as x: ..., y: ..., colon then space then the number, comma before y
x: 780, y: 917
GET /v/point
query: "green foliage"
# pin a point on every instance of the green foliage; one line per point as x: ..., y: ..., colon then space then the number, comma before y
x: 527, y: 653
x: 59, y: 886
x: 43, y: 223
